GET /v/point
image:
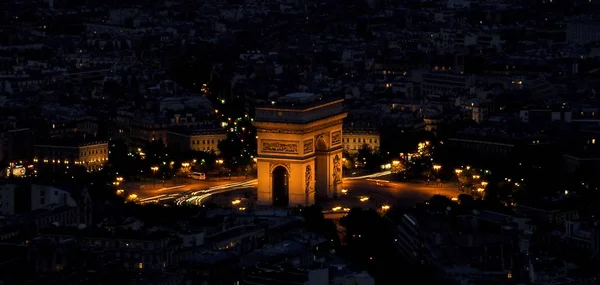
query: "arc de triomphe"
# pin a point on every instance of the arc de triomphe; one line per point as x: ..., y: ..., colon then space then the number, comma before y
x: 299, y: 157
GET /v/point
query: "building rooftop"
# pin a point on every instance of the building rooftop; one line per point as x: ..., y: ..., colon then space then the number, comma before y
x: 298, y: 101
x: 104, y: 234
x: 190, y: 131
x: 211, y: 257
x: 235, y: 232
x: 70, y: 141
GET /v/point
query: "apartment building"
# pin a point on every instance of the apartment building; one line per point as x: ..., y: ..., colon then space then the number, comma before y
x: 354, y: 139
x: 91, y: 155
x: 187, y: 139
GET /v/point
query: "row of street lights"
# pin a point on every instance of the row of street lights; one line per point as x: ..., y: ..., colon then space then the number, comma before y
x: 475, y: 177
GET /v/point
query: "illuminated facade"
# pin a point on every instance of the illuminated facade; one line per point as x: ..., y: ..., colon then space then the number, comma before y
x: 355, y: 139
x: 198, y: 140
x: 299, y: 156
x: 90, y: 155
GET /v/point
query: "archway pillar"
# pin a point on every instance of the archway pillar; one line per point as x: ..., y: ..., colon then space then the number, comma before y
x: 329, y: 173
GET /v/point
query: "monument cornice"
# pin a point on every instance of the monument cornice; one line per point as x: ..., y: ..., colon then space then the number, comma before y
x: 292, y: 128
x: 299, y: 158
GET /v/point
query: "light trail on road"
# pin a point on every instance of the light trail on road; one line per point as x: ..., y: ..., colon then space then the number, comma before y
x: 197, y: 200
x: 374, y: 175
x: 195, y: 197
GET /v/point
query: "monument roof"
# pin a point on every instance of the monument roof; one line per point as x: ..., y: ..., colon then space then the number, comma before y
x: 298, y: 101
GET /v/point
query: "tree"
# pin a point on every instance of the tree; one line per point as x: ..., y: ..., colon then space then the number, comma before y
x: 440, y: 203
x: 204, y: 161
x: 466, y: 201
x: 349, y: 160
x: 370, y: 243
x: 156, y: 153
x: 369, y: 159
x: 503, y: 190
x: 232, y: 151
x: 316, y: 222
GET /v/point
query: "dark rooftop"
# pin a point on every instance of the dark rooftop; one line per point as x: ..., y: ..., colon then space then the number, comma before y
x: 298, y: 101
x: 232, y: 233
x: 105, y: 234
x: 70, y: 141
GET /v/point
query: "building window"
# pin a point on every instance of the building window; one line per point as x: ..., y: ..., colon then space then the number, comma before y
x: 140, y: 265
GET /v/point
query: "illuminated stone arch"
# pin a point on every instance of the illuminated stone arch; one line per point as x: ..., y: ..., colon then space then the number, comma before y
x: 272, y: 167
x: 303, y: 136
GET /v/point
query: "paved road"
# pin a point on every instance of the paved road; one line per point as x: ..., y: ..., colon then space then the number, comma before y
x: 386, y: 193
x: 399, y: 193
x: 147, y: 189
x: 392, y: 193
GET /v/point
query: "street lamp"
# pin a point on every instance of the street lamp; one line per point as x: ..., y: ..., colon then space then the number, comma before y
x: 185, y: 170
x: 437, y: 168
x: 458, y: 171
x: 154, y: 169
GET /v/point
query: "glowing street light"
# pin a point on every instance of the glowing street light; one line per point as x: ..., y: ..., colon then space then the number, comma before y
x: 437, y: 168
x: 458, y: 171
x: 385, y: 207
x: 132, y: 197
x: 484, y: 183
x: 236, y: 202
x: 154, y: 169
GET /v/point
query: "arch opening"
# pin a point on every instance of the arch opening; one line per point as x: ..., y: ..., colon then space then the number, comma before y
x: 280, y: 186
